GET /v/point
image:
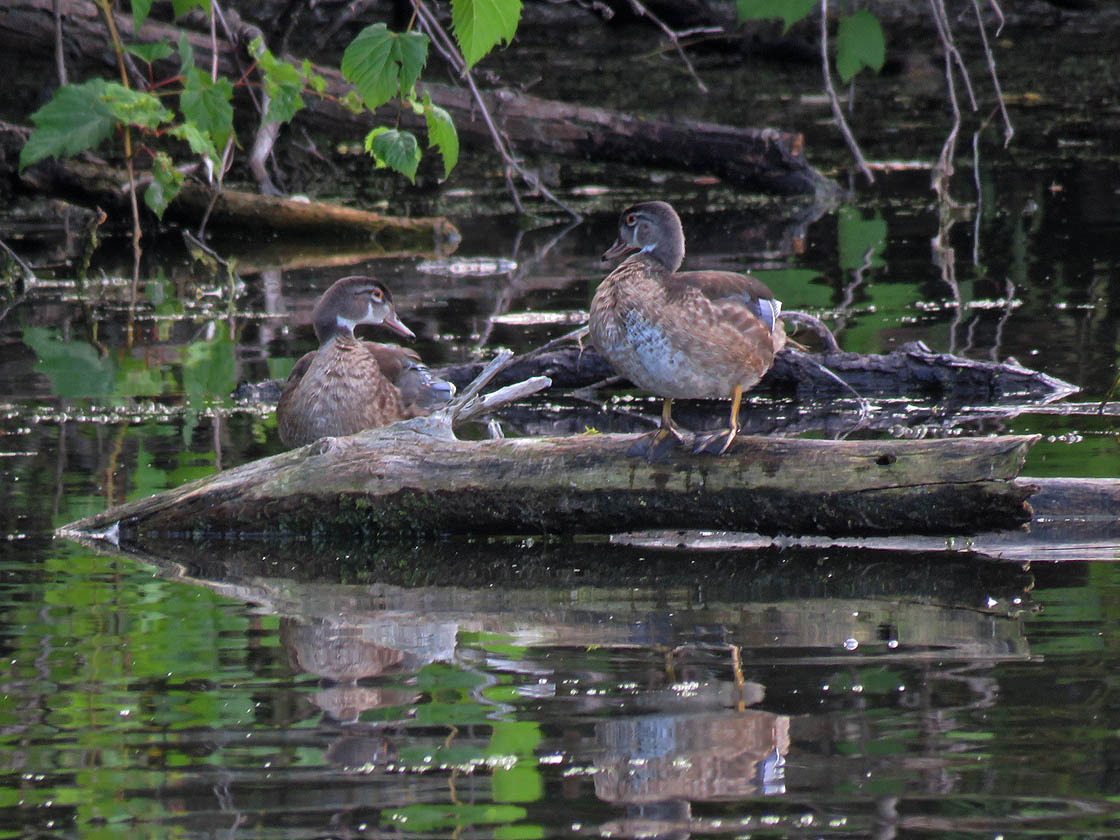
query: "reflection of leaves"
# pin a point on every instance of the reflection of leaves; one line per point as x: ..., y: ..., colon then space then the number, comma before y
x: 74, y: 368
x: 208, y: 367
x: 420, y: 818
x: 795, y: 288
x: 521, y: 782
x: 857, y: 236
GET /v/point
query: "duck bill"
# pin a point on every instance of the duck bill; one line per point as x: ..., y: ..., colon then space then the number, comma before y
x: 618, y: 249
x: 394, y: 323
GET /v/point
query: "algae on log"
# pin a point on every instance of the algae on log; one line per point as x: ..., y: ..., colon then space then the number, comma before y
x: 404, y: 481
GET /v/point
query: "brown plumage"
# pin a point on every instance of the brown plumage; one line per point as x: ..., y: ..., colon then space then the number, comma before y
x: 681, y: 335
x: 349, y: 385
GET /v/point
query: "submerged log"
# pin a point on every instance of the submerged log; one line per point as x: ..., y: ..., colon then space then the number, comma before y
x: 413, y: 479
x: 107, y: 188
x: 766, y: 159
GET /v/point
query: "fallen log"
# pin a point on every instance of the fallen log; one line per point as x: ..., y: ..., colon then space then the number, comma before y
x: 414, y: 479
x: 911, y: 369
x: 765, y: 159
x: 107, y: 188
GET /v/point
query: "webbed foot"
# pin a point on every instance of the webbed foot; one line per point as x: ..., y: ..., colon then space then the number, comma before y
x: 657, y: 445
x: 715, y: 443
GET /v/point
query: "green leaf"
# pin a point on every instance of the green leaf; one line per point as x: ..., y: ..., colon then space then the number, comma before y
x: 151, y: 51
x: 166, y: 183
x: 200, y: 143
x: 789, y: 11
x: 379, y: 63
x: 79, y: 117
x: 397, y: 150
x: 140, y: 11
x: 207, y: 104
x: 441, y: 134
x: 283, y: 82
x: 859, y: 44
x: 186, y: 54
x: 181, y: 7
x: 315, y: 81
x: 480, y: 24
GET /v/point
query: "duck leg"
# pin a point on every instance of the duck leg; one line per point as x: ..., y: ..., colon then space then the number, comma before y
x: 719, y: 442
x: 656, y: 445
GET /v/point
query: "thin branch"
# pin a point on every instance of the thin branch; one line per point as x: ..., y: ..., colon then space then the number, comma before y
x: 834, y: 101
x: 673, y: 36
x: 446, y: 48
x: 941, y: 20
x: 1008, y: 128
x: 59, y: 51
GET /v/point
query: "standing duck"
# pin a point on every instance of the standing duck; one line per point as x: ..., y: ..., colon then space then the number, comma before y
x: 348, y: 385
x: 681, y: 334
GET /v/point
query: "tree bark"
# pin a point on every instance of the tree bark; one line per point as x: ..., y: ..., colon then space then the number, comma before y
x: 406, y: 480
x: 765, y: 159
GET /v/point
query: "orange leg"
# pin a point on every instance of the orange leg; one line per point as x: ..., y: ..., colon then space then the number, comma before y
x: 719, y: 442
x: 658, y: 444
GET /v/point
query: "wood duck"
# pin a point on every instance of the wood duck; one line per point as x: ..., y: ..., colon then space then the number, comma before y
x: 349, y: 385
x: 681, y: 334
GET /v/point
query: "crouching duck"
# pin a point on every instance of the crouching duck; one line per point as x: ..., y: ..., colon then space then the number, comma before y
x: 681, y: 335
x: 348, y: 385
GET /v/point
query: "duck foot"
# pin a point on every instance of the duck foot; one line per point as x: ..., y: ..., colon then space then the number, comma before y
x: 657, y: 445
x: 715, y: 443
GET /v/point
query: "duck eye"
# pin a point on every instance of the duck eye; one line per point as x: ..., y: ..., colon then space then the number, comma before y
x: 632, y: 219
x: 376, y: 295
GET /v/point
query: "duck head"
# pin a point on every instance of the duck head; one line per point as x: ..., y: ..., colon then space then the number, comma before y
x: 653, y: 228
x: 352, y: 301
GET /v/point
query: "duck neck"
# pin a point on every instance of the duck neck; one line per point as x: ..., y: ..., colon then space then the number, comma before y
x: 331, y: 327
x: 667, y: 255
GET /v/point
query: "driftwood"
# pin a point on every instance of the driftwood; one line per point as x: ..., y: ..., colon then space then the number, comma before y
x: 406, y: 480
x: 759, y: 158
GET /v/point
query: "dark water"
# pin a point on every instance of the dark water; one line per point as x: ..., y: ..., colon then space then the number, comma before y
x: 574, y: 687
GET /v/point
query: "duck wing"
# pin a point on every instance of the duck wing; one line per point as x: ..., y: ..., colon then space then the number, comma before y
x: 402, y: 366
x: 728, y: 290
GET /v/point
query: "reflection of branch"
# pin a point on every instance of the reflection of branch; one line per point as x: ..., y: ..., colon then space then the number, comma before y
x: 501, y: 306
x: 837, y: 111
x: 672, y: 35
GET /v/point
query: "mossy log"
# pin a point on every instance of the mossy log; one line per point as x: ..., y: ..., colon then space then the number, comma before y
x: 413, y: 479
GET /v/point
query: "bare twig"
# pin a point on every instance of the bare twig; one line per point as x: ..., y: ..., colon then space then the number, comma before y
x: 59, y: 52
x: 941, y: 20
x: 1008, y: 128
x: 450, y: 53
x: 640, y: 10
x: 118, y: 48
x: 834, y: 101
